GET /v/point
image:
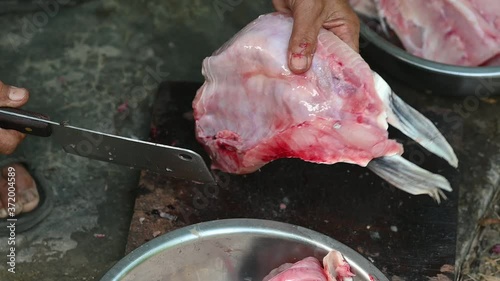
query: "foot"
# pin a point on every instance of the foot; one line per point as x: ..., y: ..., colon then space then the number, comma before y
x: 26, y: 195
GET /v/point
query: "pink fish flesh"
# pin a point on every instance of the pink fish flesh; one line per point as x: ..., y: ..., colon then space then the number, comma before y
x: 334, y: 268
x: 252, y: 110
x: 456, y: 32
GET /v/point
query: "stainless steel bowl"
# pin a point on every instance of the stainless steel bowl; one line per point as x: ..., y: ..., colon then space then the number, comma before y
x: 231, y: 250
x: 422, y: 74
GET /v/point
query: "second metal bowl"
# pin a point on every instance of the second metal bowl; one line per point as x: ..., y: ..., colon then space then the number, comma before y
x: 425, y: 75
x: 232, y: 250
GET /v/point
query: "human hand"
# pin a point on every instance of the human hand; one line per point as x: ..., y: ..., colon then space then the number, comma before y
x: 11, y: 97
x: 309, y: 17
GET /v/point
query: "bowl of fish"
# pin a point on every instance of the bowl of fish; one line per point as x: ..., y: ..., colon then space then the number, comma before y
x: 243, y: 250
x: 444, y: 47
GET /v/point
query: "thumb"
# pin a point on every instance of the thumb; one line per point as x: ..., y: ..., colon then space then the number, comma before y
x: 12, y: 96
x: 303, y: 41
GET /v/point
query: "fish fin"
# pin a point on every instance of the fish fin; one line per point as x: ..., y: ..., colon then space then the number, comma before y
x: 413, y: 124
x: 409, y: 177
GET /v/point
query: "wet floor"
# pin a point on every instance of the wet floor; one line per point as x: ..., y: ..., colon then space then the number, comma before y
x: 96, y: 64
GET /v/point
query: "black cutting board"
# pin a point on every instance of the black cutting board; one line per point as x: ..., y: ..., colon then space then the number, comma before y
x: 405, y: 236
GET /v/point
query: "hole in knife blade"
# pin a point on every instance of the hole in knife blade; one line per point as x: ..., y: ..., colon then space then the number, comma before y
x: 185, y: 157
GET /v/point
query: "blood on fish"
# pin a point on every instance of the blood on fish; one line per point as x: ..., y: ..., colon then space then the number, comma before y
x: 449, y: 33
x: 123, y: 107
x: 153, y: 133
x: 371, y: 107
x: 279, y: 150
x: 226, y: 146
x: 247, y: 75
x: 228, y: 135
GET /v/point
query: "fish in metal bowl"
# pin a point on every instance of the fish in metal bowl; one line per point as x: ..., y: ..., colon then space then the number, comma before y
x: 444, y: 47
x: 244, y: 250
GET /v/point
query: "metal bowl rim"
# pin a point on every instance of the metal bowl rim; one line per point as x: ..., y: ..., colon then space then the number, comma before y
x: 403, y: 55
x: 236, y: 225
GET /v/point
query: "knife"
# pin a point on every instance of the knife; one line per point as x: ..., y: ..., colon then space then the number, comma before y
x: 163, y: 159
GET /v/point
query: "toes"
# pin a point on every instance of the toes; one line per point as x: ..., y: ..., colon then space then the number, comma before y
x: 29, y: 199
x: 3, y: 211
x: 18, y: 207
x: 6, y: 208
x: 26, y: 194
x: 4, y: 190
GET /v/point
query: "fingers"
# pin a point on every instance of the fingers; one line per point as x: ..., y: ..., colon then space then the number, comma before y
x: 9, y: 140
x: 306, y: 26
x: 11, y: 97
x: 282, y: 6
x: 309, y: 17
x: 4, y: 198
x: 344, y: 23
x: 27, y: 197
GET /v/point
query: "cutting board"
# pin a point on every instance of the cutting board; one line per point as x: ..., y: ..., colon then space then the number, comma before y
x: 407, y: 237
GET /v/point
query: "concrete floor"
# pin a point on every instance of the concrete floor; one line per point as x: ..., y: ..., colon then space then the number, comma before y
x: 80, y: 63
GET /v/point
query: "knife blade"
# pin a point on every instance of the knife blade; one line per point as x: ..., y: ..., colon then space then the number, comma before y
x: 163, y: 159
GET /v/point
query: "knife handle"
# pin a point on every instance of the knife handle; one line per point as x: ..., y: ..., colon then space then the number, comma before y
x: 25, y: 125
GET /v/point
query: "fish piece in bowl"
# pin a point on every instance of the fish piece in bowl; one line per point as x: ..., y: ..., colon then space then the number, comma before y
x: 454, y: 32
x: 334, y: 268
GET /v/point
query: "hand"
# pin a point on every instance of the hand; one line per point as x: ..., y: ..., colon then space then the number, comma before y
x: 309, y: 17
x: 11, y: 97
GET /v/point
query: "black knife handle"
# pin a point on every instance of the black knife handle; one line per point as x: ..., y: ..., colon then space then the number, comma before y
x: 25, y: 125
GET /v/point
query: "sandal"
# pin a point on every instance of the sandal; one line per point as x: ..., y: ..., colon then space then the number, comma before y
x: 26, y: 221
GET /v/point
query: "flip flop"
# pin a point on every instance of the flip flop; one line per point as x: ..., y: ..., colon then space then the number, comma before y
x: 26, y: 221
